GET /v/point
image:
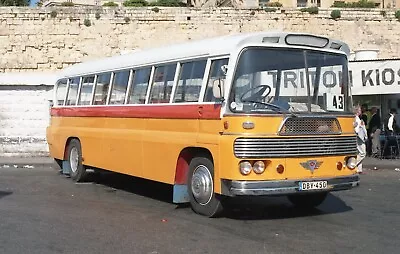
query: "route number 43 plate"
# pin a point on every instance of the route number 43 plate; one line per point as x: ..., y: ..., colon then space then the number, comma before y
x: 334, y: 102
x: 317, y: 185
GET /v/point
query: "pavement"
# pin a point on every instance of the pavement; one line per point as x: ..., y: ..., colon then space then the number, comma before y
x: 44, y: 212
x: 25, y: 162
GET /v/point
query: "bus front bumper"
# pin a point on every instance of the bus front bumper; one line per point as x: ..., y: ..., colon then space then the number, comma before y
x: 285, y: 187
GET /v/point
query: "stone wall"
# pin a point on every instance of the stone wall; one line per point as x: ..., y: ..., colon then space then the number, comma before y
x: 38, y: 39
x: 24, y: 116
x: 48, y: 39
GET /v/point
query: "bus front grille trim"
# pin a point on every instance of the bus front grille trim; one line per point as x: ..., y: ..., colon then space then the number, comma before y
x: 294, y: 147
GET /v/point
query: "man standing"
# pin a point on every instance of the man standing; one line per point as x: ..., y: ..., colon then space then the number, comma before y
x: 362, y: 136
x: 374, y: 131
x: 391, y: 125
x: 391, y: 139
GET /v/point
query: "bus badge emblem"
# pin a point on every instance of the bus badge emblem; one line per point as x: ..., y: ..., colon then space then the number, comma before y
x: 311, y: 165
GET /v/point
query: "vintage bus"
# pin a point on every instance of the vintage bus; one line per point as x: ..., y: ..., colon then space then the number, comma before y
x: 256, y: 114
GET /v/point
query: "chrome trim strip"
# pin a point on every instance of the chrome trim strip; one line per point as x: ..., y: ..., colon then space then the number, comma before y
x: 230, y: 114
x: 279, y: 147
x: 285, y: 187
x: 274, y: 134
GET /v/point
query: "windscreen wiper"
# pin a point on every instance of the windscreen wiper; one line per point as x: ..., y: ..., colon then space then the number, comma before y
x: 273, y: 107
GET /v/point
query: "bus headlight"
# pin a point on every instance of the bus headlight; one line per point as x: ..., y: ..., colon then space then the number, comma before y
x: 259, y: 167
x: 245, y: 167
x: 351, y: 162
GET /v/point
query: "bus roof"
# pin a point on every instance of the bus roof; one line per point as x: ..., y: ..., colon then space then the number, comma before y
x: 217, y: 46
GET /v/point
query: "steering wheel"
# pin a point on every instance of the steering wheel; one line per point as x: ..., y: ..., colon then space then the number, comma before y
x: 260, y: 92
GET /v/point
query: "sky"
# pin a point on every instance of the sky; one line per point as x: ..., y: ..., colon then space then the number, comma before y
x: 33, y: 2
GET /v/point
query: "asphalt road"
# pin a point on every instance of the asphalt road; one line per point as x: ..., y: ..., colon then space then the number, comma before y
x: 44, y: 212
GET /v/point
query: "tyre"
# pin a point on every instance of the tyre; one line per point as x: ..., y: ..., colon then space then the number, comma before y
x: 78, y: 170
x: 310, y: 200
x: 203, y: 200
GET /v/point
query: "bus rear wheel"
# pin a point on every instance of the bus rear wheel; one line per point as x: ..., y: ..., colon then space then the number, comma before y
x: 78, y: 170
x: 310, y: 200
x: 203, y: 200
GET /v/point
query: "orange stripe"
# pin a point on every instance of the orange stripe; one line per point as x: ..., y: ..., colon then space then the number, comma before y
x: 208, y: 111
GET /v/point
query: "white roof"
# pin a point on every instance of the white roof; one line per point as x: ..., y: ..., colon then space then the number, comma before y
x: 223, y: 45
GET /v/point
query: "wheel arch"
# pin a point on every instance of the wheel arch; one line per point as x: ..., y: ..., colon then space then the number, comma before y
x: 183, y: 161
x: 180, y: 192
x: 66, y: 146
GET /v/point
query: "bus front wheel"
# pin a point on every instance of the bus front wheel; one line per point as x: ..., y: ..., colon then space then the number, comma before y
x: 78, y: 170
x: 203, y: 200
x: 310, y: 200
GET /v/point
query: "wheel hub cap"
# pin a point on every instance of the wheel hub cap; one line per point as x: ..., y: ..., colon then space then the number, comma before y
x: 202, y: 185
x: 73, y: 159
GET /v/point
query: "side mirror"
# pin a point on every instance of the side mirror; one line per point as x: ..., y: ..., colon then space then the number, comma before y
x: 224, y: 69
x: 218, y: 88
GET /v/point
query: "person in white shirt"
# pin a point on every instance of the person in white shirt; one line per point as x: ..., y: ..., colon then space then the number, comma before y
x: 362, y: 136
x: 390, y: 133
x: 391, y: 125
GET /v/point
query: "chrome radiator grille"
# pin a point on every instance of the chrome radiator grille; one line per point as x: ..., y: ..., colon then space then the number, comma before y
x: 294, y: 147
x: 310, y: 126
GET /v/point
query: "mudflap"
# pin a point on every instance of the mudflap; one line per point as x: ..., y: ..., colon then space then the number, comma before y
x: 180, y: 194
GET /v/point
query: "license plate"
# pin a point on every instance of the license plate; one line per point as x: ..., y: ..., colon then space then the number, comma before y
x: 317, y: 185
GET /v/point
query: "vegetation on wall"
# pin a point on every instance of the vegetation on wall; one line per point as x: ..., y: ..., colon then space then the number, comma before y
x: 397, y: 15
x: 14, y: 2
x: 335, y: 14
x: 311, y: 10
x: 167, y: 3
x: 110, y: 4
x: 273, y: 4
x: 135, y: 3
x: 359, y: 4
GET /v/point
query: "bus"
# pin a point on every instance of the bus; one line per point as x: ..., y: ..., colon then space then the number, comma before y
x: 245, y: 115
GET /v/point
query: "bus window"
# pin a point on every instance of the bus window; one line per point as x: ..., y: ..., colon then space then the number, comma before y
x: 72, y: 91
x: 162, y: 85
x: 61, y: 90
x: 216, y: 74
x: 86, y: 90
x: 102, y: 84
x: 120, y: 84
x: 137, y: 95
x: 189, y: 82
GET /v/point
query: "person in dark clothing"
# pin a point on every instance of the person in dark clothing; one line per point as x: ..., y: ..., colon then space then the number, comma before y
x: 364, y: 111
x: 374, y: 132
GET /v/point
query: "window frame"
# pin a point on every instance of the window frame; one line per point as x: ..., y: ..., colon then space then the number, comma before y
x: 80, y: 90
x: 112, y: 85
x: 151, y: 85
x: 177, y: 78
x: 207, y: 76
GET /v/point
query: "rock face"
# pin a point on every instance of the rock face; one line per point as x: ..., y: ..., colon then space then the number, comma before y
x: 42, y: 39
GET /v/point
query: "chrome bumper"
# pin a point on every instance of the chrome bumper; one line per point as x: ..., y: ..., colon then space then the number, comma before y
x: 284, y: 187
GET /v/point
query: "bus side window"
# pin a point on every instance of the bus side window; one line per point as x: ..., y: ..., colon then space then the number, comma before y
x: 61, y: 89
x: 120, y: 84
x: 162, y: 84
x: 216, y: 74
x: 73, y: 91
x: 86, y: 90
x: 137, y: 94
x: 101, y: 92
x: 189, y: 82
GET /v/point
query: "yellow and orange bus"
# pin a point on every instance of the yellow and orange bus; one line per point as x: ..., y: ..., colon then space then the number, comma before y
x: 254, y: 114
